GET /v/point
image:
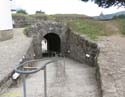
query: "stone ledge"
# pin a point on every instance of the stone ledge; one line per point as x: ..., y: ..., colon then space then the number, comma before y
x: 6, y: 34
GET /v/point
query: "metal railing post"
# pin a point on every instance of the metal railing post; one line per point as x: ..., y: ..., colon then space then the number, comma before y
x: 32, y: 70
x: 64, y: 64
x: 45, y: 83
x: 24, y: 86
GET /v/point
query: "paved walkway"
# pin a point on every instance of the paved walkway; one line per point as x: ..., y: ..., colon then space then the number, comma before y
x: 11, y: 51
x: 112, y: 66
x: 70, y: 80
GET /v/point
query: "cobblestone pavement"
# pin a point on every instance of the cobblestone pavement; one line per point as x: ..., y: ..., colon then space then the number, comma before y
x: 11, y: 51
x: 70, y: 80
x: 112, y: 66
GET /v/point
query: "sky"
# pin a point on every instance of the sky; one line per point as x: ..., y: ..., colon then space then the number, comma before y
x: 63, y: 7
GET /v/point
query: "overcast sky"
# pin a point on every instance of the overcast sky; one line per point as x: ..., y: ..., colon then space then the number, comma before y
x: 62, y: 6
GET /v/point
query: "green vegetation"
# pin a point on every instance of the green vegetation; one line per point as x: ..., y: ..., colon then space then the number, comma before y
x: 68, y: 15
x: 26, y: 29
x: 21, y: 11
x: 19, y: 14
x: 120, y: 17
x: 121, y: 22
x: 38, y: 15
x: 90, y: 27
x: 87, y: 26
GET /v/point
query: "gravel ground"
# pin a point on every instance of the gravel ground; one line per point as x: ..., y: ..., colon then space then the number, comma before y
x: 112, y: 66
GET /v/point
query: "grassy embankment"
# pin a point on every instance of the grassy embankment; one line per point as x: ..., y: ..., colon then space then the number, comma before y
x: 94, y: 29
x: 90, y: 27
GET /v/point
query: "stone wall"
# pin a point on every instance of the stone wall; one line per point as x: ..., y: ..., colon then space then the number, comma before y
x: 25, y: 20
x: 82, y: 49
x: 22, y: 20
x: 6, y: 34
x: 40, y: 29
x: 73, y: 45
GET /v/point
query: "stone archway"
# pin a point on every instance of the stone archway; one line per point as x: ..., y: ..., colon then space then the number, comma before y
x: 55, y: 34
x: 53, y: 42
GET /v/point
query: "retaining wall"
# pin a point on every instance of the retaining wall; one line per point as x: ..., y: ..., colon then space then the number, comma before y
x: 83, y: 49
x: 6, y: 34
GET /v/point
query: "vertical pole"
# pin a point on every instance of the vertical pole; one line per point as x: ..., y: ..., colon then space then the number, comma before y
x: 24, y: 86
x: 64, y: 64
x: 45, y: 83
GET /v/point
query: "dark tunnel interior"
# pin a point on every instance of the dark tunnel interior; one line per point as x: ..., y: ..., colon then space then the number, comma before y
x: 53, y: 42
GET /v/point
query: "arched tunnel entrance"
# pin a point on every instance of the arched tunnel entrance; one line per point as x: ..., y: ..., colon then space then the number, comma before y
x: 53, y: 43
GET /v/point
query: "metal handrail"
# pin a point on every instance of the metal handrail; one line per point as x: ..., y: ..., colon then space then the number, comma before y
x: 31, y: 61
x: 43, y: 67
x: 34, y: 71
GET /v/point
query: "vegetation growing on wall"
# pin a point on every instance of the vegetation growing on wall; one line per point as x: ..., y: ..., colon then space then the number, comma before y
x: 93, y: 28
x: 88, y: 26
x: 22, y: 11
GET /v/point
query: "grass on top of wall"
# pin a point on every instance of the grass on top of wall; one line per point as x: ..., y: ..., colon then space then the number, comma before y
x: 90, y: 27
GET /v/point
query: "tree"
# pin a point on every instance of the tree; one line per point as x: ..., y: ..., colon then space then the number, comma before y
x: 108, y: 3
x: 40, y: 12
x: 21, y: 11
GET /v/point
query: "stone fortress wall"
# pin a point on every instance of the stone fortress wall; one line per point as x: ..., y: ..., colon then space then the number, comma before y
x: 20, y: 20
x: 6, y: 34
x: 72, y: 44
x: 25, y: 20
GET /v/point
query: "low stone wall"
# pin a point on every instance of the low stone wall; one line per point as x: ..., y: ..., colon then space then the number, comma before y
x: 25, y: 20
x: 6, y: 34
x: 82, y: 49
x: 20, y: 21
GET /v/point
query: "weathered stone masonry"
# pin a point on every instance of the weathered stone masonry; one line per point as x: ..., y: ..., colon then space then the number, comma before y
x: 39, y: 30
x: 25, y: 20
x: 72, y: 44
x: 6, y: 34
x: 83, y: 49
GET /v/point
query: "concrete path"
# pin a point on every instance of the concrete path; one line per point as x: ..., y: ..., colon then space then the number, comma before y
x: 11, y: 51
x: 70, y: 80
